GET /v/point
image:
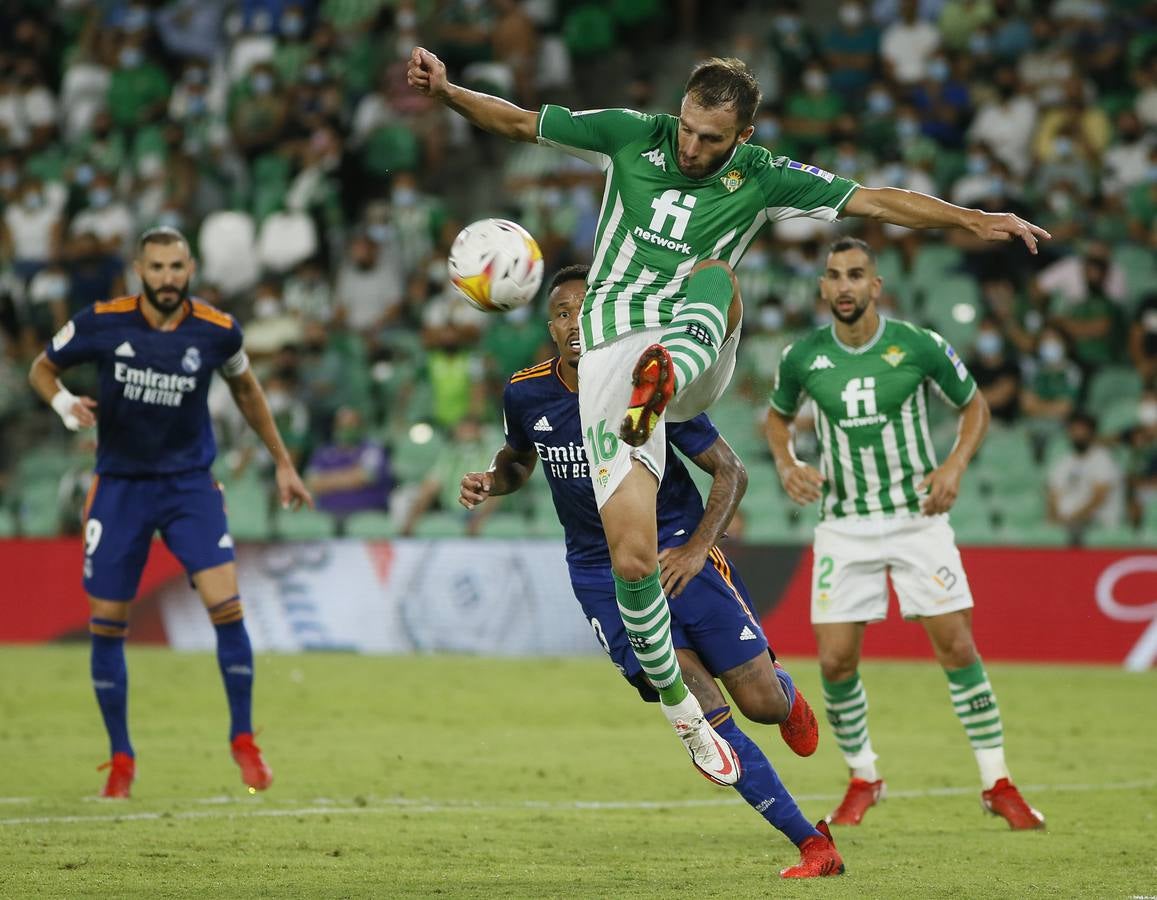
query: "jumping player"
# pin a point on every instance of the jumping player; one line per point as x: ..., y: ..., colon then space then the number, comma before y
x: 156, y: 354
x: 714, y: 630
x: 685, y: 196
x: 884, y: 505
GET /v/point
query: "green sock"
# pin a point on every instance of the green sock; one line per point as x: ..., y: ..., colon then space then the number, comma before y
x: 695, y: 333
x: 846, y: 705
x: 975, y: 706
x: 648, y: 623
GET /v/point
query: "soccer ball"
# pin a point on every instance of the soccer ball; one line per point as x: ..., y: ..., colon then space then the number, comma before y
x: 496, y: 265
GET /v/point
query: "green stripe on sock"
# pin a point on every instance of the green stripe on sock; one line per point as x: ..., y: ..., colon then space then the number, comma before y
x: 846, y: 706
x: 975, y: 705
x: 648, y: 627
x: 699, y: 325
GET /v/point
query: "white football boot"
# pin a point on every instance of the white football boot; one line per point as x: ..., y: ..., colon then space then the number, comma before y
x: 710, y: 754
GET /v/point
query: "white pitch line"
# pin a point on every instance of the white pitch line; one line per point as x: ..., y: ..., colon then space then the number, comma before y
x: 402, y: 804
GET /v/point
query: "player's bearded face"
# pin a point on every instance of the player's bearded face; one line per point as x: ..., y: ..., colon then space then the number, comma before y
x: 167, y: 297
x: 707, y: 137
x: 849, y: 285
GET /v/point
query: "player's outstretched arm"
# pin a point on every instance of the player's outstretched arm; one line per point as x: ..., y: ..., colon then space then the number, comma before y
x: 915, y: 210
x: 250, y: 399
x: 943, y: 482
x: 801, y: 482
x: 75, y: 412
x: 427, y: 75
x: 679, y: 565
x: 507, y: 474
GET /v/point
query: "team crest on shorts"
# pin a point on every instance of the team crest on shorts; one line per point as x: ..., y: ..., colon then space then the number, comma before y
x: 604, y: 475
x: 732, y: 180
x: 192, y: 360
x: 893, y: 356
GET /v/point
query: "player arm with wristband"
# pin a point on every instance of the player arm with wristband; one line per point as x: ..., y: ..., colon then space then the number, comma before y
x: 76, y: 412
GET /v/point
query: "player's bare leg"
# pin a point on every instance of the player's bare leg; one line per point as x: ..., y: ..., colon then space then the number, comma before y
x: 218, y: 589
x: 689, y: 345
x: 760, y: 786
x: 632, y: 536
x: 975, y: 705
x: 846, y: 705
x: 766, y: 693
x: 108, y: 625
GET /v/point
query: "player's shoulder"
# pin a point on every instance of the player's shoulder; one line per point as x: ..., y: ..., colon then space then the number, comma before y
x: 114, y: 308
x: 535, y: 381
x: 807, y: 345
x: 211, y: 315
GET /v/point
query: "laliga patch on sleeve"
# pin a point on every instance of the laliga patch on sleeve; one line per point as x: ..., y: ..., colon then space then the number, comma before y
x: 957, y: 362
x: 812, y: 170
x: 63, y: 336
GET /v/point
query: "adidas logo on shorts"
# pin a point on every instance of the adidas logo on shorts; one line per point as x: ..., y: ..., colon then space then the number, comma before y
x: 543, y: 425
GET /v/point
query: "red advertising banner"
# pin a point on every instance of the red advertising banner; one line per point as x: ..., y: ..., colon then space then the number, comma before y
x: 1097, y: 606
x: 1031, y: 605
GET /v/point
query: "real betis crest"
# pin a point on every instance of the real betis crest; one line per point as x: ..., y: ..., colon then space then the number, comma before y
x: 893, y: 356
x: 732, y: 180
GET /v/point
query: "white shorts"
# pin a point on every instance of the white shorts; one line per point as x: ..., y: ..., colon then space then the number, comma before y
x: 854, y: 557
x: 605, y: 389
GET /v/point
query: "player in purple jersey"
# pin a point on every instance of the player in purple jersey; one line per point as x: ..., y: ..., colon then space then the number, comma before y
x: 714, y: 630
x: 155, y: 355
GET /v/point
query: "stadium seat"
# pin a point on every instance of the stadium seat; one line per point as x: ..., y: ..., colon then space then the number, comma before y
x: 952, y: 306
x: 286, y: 239
x: 1140, y: 267
x: 507, y: 525
x: 1042, y: 534
x: 304, y: 525
x: 440, y: 525
x: 933, y: 264
x: 1120, y: 536
x: 371, y: 524
x: 228, y: 252
x: 7, y: 523
x: 1112, y: 384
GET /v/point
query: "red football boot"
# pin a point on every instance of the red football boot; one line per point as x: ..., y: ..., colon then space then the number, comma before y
x: 254, y: 771
x: 1003, y: 799
x: 861, y: 796
x: 654, y: 381
x: 799, y: 730
x: 122, y: 770
x: 818, y: 857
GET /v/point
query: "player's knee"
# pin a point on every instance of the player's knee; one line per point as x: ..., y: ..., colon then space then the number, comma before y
x: 837, y: 664
x: 767, y: 707
x: 109, y: 610
x: 959, y: 651
x: 634, y: 559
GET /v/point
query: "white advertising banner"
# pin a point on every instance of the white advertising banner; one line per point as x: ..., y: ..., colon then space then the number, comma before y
x: 505, y: 598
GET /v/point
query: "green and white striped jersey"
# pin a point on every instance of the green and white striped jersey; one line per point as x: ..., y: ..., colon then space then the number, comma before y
x: 656, y: 224
x: 872, y: 412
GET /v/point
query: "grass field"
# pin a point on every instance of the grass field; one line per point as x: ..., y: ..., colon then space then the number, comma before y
x: 426, y: 777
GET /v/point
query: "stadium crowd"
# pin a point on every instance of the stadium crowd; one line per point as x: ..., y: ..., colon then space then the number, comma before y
x: 321, y: 195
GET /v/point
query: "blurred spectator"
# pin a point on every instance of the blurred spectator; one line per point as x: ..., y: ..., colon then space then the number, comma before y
x: 1073, y: 127
x: 369, y: 286
x: 138, y: 91
x: 191, y: 28
x: 960, y: 19
x: 1069, y: 281
x: 469, y: 450
x: 907, y: 44
x: 32, y: 231
x: 1141, y: 204
x: 792, y: 41
x: 1085, y: 487
x: 455, y: 369
x: 515, y: 44
x: 259, y: 113
x: 973, y: 184
x: 94, y: 274
x: 1126, y: 161
x: 308, y: 293
x: 1141, y: 445
x: 108, y: 218
x: 1007, y: 122
x: 811, y: 109
x: 1090, y: 323
x: 996, y: 372
x: 351, y: 473
x: 764, y: 341
x: 943, y: 102
x: 1052, y: 384
x: 850, y: 48
x: 1143, y: 339
x: 520, y: 340
x: 272, y: 327
x: 417, y: 218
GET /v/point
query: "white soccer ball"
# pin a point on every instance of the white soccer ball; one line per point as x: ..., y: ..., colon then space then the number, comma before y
x: 496, y: 265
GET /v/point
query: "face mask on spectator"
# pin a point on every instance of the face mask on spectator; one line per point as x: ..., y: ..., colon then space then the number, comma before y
x: 880, y: 102
x: 130, y: 57
x: 33, y: 200
x: 313, y: 74
x: 1051, y: 352
x: 938, y: 70
x: 907, y: 129
x: 170, y: 218
x: 136, y: 18
x: 83, y: 174
x: 980, y: 44
x: 378, y: 232
x: 1059, y: 202
x: 977, y: 165
x: 437, y: 272
x: 788, y: 24
x: 852, y: 15
x: 194, y: 76
x: 766, y: 130
x: 99, y: 197
x: 195, y: 105
x: 266, y: 308
x: 996, y: 186
x: 755, y: 259
x: 771, y: 318
x: 52, y: 287
x: 292, y: 26
x: 1063, y: 147
x: 519, y: 315
x: 815, y: 81
x: 262, y: 83
x: 988, y: 343
x: 1153, y: 172
x: 406, y: 20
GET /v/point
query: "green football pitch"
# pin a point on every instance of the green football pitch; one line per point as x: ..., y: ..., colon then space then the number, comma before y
x: 463, y: 777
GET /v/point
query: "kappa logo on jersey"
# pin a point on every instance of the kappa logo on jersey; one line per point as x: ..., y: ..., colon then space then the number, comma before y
x: 656, y: 157
x: 671, y: 206
x: 191, y: 362
x: 821, y: 362
x: 811, y: 170
x: 125, y: 349
x: 543, y: 424
x: 747, y: 634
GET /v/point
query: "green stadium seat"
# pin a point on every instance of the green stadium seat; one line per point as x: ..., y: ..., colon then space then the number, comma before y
x: 1140, y: 267
x: 7, y: 523
x: 441, y: 525
x: 371, y: 524
x: 1120, y: 536
x: 508, y: 525
x: 304, y: 525
x: 1043, y: 534
x: 1112, y: 384
x: 247, y: 503
x: 933, y: 264
x: 953, y: 308
x: 1116, y: 416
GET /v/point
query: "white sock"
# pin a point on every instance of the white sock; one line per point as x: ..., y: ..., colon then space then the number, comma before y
x: 992, y: 765
x: 863, y: 763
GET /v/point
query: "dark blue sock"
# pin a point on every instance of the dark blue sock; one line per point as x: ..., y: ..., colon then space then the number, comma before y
x: 759, y: 785
x: 110, y: 680
x: 235, y: 658
x: 788, y: 685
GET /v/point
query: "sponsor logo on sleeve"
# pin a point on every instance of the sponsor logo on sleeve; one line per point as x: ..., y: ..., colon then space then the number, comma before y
x: 811, y: 170
x: 63, y: 336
